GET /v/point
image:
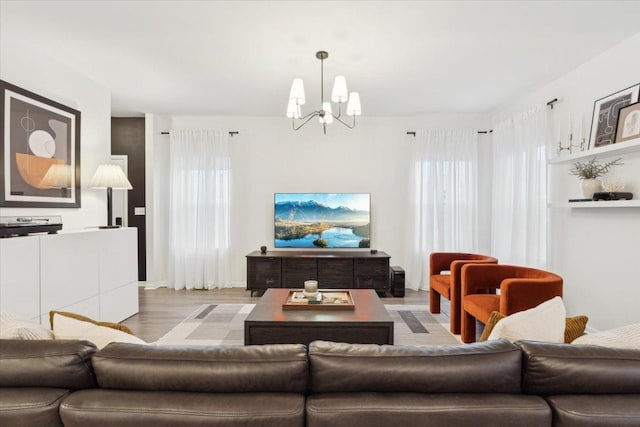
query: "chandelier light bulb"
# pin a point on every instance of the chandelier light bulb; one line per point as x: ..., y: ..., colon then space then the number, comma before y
x: 297, y: 92
x: 293, y: 110
x: 339, y: 94
x: 353, y: 107
x: 328, y: 116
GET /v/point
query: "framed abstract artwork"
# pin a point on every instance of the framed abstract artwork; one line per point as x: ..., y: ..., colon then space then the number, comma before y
x: 605, y: 115
x: 40, y: 151
x: 628, y: 123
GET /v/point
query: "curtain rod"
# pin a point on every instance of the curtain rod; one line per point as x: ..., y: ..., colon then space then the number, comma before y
x: 231, y: 133
x: 550, y: 104
x: 412, y: 133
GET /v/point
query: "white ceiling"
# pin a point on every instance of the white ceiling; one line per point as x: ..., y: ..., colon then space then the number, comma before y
x: 239, y: 57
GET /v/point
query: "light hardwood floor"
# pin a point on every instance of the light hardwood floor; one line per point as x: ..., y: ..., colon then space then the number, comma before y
x: 162, y: 309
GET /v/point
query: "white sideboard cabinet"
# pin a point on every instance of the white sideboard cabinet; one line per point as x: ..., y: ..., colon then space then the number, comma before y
x: 91, y: 272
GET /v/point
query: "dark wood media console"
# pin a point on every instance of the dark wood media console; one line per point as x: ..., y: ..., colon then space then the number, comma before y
x: 332, y: 269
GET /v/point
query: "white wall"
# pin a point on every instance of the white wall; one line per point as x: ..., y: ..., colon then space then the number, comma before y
x: 595, y: 250
x: 269, y: 157
x: 157, y: 203
x: 46, y: 77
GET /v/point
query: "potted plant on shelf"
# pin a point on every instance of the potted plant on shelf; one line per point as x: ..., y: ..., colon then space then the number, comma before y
x: 589, y: 173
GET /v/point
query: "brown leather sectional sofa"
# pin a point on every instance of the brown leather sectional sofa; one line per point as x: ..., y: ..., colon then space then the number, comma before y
x: 54, y: 383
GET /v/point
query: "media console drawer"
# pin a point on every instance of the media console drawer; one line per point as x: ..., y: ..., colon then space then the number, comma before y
x: 332, y: 269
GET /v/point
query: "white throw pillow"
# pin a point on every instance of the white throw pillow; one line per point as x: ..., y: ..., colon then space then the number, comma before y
x: 67, y: 328
x: 17, y: 328
x: 545, y: 322
x: 623, y: 337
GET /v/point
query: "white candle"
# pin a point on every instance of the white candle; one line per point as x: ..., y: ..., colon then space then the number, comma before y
x: 311, y: 286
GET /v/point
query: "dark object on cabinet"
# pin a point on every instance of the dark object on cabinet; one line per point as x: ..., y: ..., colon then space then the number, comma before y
x: 26, y: 228
x: 612, y: 195
x: 397, y: 281
x: 332, y: 270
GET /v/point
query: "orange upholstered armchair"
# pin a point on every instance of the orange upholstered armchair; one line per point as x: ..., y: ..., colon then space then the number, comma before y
x: 521, y: 288
x: 448, y: 285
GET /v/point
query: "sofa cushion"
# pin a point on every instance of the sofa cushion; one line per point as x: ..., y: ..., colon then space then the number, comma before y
x: 31, y: 406
x: 442, y: 284
x: 426, y: 410
x: 66, y: 327
x: 46, y: 363
x: 608, y: 410
x: 216, y: 369
x: 490, y: 367
x: 176, y: 409
x: 545, y: 322
x: 551, y: 369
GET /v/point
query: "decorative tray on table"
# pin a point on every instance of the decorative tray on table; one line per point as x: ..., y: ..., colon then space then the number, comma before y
x: 322, y: 300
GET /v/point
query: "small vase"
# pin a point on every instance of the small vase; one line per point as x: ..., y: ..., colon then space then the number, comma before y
x: 590, y: 186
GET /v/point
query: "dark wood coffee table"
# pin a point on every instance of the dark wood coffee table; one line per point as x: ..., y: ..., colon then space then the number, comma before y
x: 368, y: 323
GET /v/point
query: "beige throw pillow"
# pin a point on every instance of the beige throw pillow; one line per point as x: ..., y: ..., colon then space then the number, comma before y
x: 17, y: 328
x: 574, y: 326
x: 622, y: 337
x: 545, y: 322
x: 65, y: 327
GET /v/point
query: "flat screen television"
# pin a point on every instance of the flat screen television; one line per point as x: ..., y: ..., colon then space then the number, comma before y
x: 322, y: 220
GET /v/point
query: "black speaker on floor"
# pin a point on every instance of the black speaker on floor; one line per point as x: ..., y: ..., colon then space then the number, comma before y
x: 397, y: 281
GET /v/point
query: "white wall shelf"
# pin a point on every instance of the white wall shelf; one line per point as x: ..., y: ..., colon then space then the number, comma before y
x: 598, y: 204
x: 608, y: 150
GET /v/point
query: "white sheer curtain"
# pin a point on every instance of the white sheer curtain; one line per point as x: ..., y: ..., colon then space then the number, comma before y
x: 444, y: 198
x: 519, y: 212
x: 199, y: 210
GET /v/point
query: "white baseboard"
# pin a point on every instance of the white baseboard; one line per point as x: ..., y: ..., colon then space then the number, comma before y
x: 161, y: 284
x: 151, y: 286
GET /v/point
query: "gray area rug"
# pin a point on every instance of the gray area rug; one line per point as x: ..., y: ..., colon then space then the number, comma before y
x: 213, y: 324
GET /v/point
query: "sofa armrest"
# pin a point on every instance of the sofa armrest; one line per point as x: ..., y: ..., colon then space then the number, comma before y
x: 523, y: 294
x: 456, y: 270
x: 479, y: 277
x: 441, y: 261
x: 46, y: 363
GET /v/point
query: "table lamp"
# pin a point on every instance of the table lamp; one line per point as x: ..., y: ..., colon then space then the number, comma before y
x: 110, y: 177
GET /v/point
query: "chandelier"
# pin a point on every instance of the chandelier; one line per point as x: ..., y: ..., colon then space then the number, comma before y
x: 325, y: 115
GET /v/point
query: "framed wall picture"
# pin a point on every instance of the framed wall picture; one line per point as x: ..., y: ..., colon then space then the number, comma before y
x: 628, y: 127
x: 605, y: 115
x: 39, y: 151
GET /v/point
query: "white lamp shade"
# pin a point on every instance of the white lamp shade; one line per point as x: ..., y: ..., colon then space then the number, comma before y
x: 293, y: 110
x: 110, y: 176
x: 297, y: 92
x: 328, y: 117
x: 353, y: 107
x: 57, y: 176
x: 339, y: 93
